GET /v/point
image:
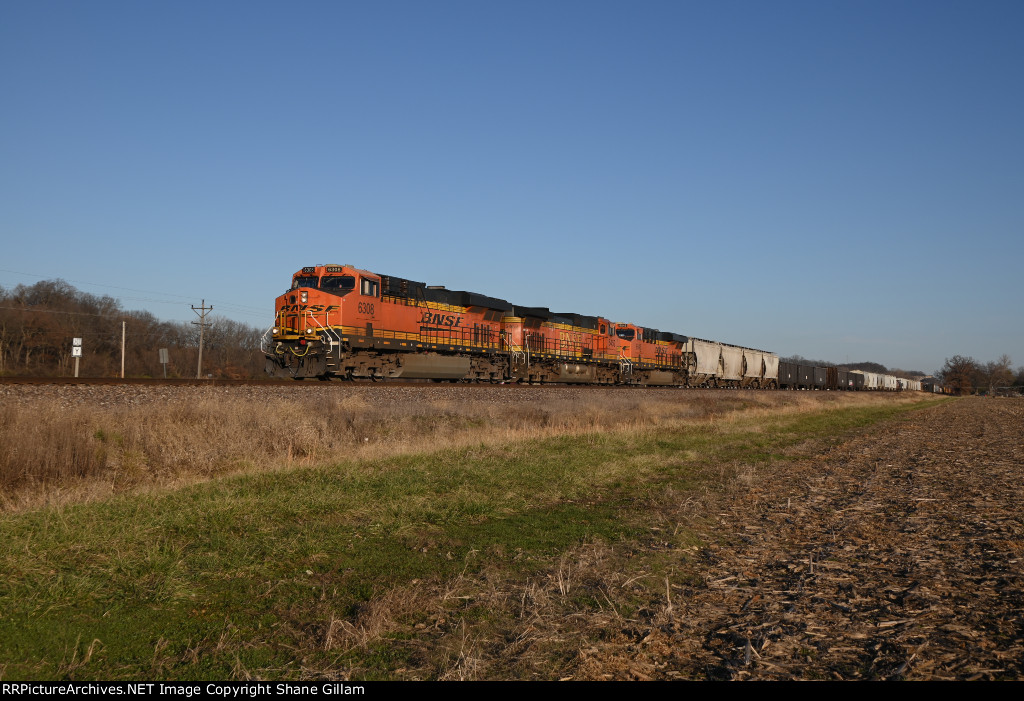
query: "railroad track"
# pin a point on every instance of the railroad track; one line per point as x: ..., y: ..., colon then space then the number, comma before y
x: 136, y: 381
x: 272, y: 382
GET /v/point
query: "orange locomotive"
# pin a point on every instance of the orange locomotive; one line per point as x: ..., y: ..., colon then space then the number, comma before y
x: 337, y: 321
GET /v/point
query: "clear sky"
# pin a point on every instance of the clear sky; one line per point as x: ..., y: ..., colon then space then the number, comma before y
x: 843, y: 180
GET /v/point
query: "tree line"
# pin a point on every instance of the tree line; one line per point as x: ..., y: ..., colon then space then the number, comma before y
x: 965, y: 375
x: 39, y: 321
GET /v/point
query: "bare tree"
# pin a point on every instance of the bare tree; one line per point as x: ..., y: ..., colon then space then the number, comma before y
x: 998, y: 373
x: 958, y: 374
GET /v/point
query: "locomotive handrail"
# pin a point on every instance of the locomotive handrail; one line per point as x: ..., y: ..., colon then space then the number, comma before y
x: 263, y: 338
x: 516, y: 352
x: 327, y: 331
x: 625, y: 364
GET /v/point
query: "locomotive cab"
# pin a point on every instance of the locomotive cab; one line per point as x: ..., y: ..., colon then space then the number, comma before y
x: 313, y: 314
x: 626, y: 342
x: 321, y: 298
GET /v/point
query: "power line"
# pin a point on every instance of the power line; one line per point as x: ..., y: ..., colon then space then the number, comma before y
x: 37, y: 310
x: 173, y: 323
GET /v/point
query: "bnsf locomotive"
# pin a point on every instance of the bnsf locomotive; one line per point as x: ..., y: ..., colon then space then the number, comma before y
x: 337, y: 321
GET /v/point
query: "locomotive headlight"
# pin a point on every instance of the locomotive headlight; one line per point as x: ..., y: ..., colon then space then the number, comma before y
x: 309, y: 331
x: 275, y: 330
x: 304, y: 296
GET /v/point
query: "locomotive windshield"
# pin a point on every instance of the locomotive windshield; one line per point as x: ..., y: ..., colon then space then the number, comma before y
x: 624, y: 334
x: 301, y: 281
x: 338, y: 282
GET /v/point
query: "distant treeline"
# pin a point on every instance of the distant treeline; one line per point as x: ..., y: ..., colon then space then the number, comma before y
x: 965, y: 375
x: 38, y: 323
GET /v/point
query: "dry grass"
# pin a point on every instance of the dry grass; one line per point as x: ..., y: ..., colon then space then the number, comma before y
x: 53, y: 453
x: 491, y: 626
x: 577, y: 556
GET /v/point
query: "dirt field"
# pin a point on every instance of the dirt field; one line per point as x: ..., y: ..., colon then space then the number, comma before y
x: 897, y: 556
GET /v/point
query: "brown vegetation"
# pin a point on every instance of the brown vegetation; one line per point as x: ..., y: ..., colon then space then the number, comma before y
x: 885, y: 553
x: 66, y: 442
x: 38, y: 323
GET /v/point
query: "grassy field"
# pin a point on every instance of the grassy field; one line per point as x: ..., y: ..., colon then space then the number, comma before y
x: 391, y: 562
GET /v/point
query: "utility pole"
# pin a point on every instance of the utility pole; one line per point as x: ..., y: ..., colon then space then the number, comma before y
x: 201, y: 311
x: 123, y: 323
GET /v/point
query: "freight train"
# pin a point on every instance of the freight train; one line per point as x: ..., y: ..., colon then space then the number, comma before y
x: 337, y: 321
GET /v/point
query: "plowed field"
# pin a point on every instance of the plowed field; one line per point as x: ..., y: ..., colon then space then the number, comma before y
x: 893, y: 556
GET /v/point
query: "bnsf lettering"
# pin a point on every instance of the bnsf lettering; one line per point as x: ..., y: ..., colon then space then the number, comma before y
x: 569, y: 341
x: 365, y: 308
x: 430, y: 318
x: 314, y: 308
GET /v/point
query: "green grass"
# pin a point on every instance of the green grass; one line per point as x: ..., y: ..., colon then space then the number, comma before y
x: 243, y: 576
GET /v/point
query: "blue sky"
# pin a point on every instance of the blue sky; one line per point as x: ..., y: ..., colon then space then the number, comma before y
x: 841, y: 180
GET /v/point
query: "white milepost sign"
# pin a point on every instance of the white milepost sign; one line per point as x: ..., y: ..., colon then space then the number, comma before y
x: 76, y: 352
